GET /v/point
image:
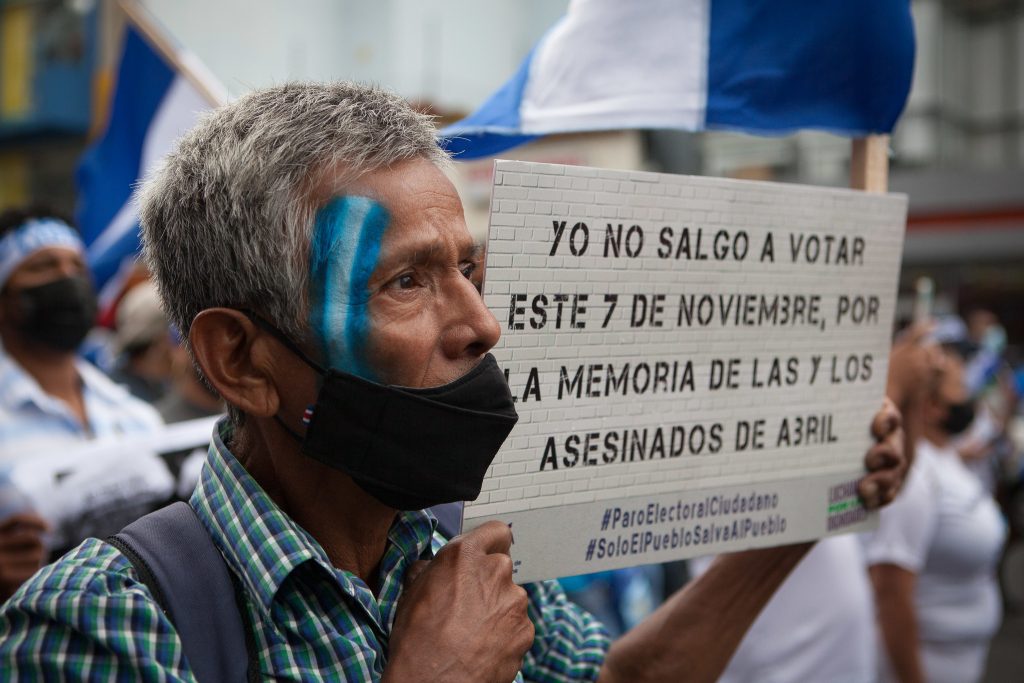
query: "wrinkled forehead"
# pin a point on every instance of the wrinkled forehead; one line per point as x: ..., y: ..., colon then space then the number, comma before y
x: 404, y: 206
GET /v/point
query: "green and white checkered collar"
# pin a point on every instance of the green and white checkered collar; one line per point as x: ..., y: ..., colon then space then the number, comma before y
x: 264, y: 545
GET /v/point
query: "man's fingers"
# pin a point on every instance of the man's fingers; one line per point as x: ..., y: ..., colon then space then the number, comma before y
x: 23, y: 568
x: 886, y: 420
x: 883, y: 455
x: 492, y: 537
x: 20, y: 538
x: 879, y: 488
x: 28, y: 520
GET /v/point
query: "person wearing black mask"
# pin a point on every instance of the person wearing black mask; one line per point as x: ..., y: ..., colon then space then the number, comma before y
x: 49, y: 399
x: 310, y: 243
x: 933, y: 558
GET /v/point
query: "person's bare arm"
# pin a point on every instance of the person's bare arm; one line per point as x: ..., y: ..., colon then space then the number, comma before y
x: 897, y: 619
x: 693, y: 635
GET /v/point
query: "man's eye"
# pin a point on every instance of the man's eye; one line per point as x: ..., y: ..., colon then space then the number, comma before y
x: 405, y: 281
x: 471, y: 271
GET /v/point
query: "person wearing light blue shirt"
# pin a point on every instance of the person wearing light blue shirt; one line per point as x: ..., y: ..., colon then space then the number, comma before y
x: 49, y: 398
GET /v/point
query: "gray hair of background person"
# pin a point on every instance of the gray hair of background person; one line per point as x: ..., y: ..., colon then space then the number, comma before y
x: 227, y: 218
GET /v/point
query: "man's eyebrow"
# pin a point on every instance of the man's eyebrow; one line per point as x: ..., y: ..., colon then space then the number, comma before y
x: 428, y: 252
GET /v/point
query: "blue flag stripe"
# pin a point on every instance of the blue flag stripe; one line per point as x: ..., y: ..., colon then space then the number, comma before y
x: 782, y: 65
x: 497, y: 120
x: 109, y: 169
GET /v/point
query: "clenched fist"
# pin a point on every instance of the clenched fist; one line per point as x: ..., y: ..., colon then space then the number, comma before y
x: 460, y: 617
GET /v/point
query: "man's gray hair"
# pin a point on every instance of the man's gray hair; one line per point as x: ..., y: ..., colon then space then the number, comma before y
x: 227, y: 219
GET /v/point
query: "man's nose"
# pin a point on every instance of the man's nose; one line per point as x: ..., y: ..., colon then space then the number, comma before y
x: 471, y: 329
x: 68, y: 267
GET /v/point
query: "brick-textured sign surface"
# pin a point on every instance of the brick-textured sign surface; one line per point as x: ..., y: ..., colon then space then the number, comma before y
x: 695, y: 361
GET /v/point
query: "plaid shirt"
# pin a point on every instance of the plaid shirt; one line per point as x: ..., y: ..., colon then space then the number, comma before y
x: 87, y: 617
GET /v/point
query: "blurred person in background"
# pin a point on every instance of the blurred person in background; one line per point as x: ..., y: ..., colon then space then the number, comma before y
x: 188, y: 397
x: 820, y: 624
x: 49, y: 398
x: 620, y: 598
x: 987, y: 445
x: 933, y: 559
x: 142, y: 344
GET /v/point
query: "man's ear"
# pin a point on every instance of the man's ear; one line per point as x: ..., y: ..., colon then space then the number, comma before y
x: 236, y: 358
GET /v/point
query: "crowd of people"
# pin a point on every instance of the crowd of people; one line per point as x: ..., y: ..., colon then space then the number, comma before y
x: 341, y: 573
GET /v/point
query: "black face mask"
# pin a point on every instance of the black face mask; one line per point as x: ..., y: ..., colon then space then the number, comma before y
x: 409, y: 448
x: 958, y: 418
x: 58, y: 314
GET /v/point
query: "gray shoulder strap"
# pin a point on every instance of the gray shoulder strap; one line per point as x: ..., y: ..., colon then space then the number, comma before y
x: 180, y: 564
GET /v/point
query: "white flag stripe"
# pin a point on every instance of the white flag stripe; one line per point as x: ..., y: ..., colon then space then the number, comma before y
x: 581, y: 74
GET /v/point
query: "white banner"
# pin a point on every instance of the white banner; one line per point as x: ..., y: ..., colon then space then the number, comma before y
x: 100, y: 486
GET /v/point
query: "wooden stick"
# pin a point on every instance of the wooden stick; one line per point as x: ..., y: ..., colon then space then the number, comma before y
x: 150, y: 28
x: 869, y: 164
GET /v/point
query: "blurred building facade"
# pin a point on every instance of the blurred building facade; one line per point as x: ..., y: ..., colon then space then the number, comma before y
x: 47, y: 59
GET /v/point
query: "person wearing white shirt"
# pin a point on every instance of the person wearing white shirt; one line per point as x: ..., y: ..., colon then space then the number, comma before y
x: 49, y: 399
x: 933, y: 558
x: 820, y: 624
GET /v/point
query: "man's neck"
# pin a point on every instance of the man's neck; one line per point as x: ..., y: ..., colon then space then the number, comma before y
x: 349, y: 524
x: 936, y: 436
x: 54, y: 371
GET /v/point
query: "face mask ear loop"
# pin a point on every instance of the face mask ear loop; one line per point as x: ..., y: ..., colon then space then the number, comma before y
x: 291, y: 432
x: 294, y: 348
x: 284, y: 339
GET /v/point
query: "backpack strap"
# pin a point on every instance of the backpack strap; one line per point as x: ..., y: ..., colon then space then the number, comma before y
x: 177, y: 560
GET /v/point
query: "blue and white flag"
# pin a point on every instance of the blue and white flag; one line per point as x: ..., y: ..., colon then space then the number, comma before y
x: 758, y: 66
x: 153, y: 105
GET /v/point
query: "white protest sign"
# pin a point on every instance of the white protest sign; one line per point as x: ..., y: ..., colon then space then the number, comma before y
x: 695, y: 361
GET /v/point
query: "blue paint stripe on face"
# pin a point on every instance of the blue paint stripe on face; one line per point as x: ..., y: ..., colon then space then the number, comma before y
x: 357, y: 326
x: 346, y: 246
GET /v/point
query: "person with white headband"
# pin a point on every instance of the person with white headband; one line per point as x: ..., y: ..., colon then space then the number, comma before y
x: 49, y: 398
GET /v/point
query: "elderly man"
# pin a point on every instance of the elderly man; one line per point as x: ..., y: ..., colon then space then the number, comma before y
x: 308, y: 240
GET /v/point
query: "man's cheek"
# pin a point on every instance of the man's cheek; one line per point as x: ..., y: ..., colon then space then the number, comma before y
x: 401, y: 344
x: 346, y: 247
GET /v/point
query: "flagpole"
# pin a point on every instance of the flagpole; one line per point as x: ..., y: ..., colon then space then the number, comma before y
x: 869, y: 164
x: 181, y: 60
